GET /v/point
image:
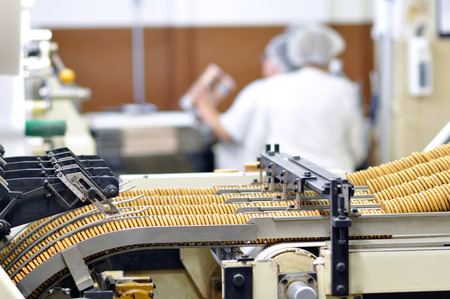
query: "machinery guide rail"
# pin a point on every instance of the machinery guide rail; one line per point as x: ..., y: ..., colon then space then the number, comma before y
x: 35, y: 187
x: 301, y: 173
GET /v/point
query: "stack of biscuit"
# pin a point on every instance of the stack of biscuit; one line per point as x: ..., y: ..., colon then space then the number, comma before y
x: 417, y: 183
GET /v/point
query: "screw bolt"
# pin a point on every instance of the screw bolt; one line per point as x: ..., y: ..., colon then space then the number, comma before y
x: 92, y: 192
x: 340, y: 289
x: 238, y: 280
x: 340, y: 267
x: 111, y: 191
x: 310, y: 280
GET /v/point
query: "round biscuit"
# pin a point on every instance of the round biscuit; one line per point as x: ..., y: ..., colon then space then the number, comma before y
x: 391, y: 207
x: 446, y: 193
x: 434, y: 166
x: 397, y: 166
x: 408, y: 189
x: 395, y: 206
x: 371, y: 173
x: 378, y: 197
x: 401, y: 205
x: 396, y: 191
x: 427, y: 183
x: 435, y: 179
x: 419, y: 170
x: 404, y: 162
x: 384, y: 206
x: 407, y: 205
x: 417, y: 186
x: 412, y: 205
x: 387, y: 180
x: 389, y: 193
x: 422, y: 202
x: 411, y: 162
x: 441, y: 194
x: 404, y: 177
x: 389, y: 168
x: 372, y: 187
x: 380, y: 183
x: 416, y: 157
x: 446, y: 176
x: 437, y: 200
x: 434, y: 154
x: 439, y: 151
x: 433, y: 204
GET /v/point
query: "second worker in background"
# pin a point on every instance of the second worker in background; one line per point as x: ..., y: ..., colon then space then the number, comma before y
x: 308, y: 111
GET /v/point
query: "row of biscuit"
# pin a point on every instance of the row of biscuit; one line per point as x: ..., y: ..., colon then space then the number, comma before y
x: 361, y: 177
x: 420, y: 184
x: 436, y: 199
x: 410, y: 174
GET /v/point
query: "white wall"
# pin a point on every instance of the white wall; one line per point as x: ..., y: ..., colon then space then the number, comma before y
x: 120, y: 13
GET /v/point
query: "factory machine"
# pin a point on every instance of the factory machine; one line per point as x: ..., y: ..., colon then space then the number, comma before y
x: 289, y: 230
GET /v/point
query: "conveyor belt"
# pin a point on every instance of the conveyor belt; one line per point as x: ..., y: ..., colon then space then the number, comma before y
x: 362, y: 177
x: 49, y: 237
x: 229, y: 216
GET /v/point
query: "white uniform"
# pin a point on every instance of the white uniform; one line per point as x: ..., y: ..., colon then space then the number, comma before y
x: 308, y: 112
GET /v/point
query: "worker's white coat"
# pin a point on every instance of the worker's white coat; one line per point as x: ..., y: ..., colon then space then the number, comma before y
x: 308, y: 112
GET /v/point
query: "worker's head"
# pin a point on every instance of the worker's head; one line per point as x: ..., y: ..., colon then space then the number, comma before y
x: 274, y: 60
x: 314, y: 44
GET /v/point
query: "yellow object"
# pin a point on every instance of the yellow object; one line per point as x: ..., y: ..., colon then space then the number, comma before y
x: 249, y: 167
x: 225, y: 170
x: 67, y: 76
x: 137, y: 294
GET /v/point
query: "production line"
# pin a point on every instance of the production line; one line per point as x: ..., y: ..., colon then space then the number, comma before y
x: 291, y: 230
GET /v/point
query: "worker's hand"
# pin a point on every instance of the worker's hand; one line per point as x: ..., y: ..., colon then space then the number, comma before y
x: 207, y: 111
x: 205, y: 104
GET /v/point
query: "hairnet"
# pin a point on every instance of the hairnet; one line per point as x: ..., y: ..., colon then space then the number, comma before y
x: 276, y: 50
x: 314, y: 44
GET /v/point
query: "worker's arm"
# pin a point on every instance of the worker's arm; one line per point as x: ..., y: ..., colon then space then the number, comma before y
x: 208, y: 112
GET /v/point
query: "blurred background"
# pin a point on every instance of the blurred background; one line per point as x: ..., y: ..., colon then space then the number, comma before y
x: 149, y: 52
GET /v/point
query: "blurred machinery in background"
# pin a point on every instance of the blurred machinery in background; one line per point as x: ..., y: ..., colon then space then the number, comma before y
x: 160, y: 141
x: 39, y: 95
x: 52, y: 98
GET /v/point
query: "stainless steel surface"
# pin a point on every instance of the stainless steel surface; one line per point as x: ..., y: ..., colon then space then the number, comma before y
x: 300, y: 290
x: 133, y: 237
x: 77, y: 268
x: 297, y: 286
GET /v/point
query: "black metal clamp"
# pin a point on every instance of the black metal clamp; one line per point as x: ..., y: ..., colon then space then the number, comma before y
x: 294, y: 170
x: 35, y: 187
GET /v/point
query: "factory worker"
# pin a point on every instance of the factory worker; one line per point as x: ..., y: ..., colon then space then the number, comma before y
x: 308, y: 112
x: 233, y: 150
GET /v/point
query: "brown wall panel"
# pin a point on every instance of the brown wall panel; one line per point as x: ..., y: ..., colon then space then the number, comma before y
x: 358, y: 55
x: 101, y: 60
x: 157, y: 72
x: 174, y: 57
x: 236, y: 50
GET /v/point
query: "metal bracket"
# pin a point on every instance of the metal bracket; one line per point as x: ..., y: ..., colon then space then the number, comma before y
x: 238, y: 282
x: 84, y: 189
x: 303, y: 173
x: 78, y: 269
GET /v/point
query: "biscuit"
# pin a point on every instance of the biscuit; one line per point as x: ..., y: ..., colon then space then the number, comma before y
x: 437, y: 200
x: 401, y: 205
x: 441, y: 194
x: 421, y: 203
x: 431, y: 201
x: 385, y: 206
x: 396, y: 205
